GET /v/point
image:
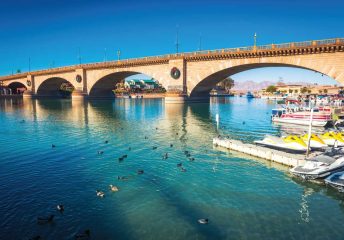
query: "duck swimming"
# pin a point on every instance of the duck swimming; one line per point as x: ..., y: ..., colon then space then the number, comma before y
x: 123, y: 178
x: 155, y: 148
x: 100, y: 152
x: 44, y: 220
x: 100, y: 193
x: 183, y: 169
x: 171, y: 145
x: 106, y: 141
x: 125, y: 156
x: 203, y: 221
x: 83, y: 236
x: 60, y: 208
x: 179, y: 164
x: 165, y: 156
x: 113, y: 188
x: 53, y: 146
x: 140, y: 171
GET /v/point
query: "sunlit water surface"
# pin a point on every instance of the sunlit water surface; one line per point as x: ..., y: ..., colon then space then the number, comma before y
x: 243, y: 198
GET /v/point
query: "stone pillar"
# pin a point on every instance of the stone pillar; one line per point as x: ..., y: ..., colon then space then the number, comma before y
x: 31, y: 89
x: 80, y: 84
x: 176, y: 84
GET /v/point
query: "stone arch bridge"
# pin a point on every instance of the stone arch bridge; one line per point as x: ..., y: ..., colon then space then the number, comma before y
x: 186, y: 76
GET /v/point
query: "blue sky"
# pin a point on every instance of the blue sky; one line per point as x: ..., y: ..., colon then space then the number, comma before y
x: 51, y: 32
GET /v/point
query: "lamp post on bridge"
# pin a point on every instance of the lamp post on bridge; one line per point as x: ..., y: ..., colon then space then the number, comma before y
x: 118, y: 55
x: 177, y: 40
x: 255, y: 41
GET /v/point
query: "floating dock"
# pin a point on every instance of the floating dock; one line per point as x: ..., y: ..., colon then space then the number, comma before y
x: 266, y: 153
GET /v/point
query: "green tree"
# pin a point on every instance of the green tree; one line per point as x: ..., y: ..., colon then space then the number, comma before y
x: 325, y: 91
x: 226, y: 83
x: 304, y: 90
x: 271, y: 89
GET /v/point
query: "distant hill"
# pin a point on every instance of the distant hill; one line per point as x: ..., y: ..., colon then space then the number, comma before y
x: 252, y: 86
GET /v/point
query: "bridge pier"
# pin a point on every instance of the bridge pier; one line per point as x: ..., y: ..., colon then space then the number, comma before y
x: 78, y: 94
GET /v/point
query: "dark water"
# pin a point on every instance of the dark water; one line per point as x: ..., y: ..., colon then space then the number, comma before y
x: 243, y: 198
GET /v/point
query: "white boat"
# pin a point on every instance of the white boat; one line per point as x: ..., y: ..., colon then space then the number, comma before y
x: 336, y: 180
x: 289, y: 144
x: 320, y: 166
x: 319, y: 119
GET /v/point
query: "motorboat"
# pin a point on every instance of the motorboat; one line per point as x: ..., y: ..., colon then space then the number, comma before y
x: 332, y: 139
x: 319, y: 119
x: 250, y: 95
x: 336, y: 180
x: 315, y: 141
x: 321, y: 166
x: 289, y: 144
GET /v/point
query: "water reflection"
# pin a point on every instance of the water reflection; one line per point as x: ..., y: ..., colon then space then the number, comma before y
x: 234, y: 191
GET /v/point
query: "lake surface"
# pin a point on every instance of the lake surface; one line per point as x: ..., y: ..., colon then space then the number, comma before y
x: 243, y: 198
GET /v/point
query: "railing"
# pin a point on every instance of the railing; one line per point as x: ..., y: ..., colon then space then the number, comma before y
x: 332, y: 41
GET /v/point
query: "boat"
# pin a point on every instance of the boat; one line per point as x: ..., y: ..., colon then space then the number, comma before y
x: 315, y: 141
x: 321, y: 166
x: 336, y: 180
x: 320, y: 119
x: 332, y: 139
x: 289, y: 144
x: 250, y: 95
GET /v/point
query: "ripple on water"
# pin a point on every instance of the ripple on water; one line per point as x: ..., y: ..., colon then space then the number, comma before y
x: 244, y: 198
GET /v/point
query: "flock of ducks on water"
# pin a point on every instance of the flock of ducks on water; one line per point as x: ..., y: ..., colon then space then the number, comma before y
x: 87, y: 233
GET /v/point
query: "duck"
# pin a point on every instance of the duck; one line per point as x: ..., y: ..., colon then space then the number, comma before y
x: 53, y: 146
x: 120, y: 159
x: 155, y: 148
x: 171, y: 145
x: 106, y: 141
x: 165, y: 156
x: 183, y: 169
x: 179, y: 164
x: 60, y: 208
x: 125, y: 156
x: 123, y: 178
x: 100, y: 152
x: 113, y: 188
x: 191, y: 158
x: 83, y: 236
x: 44, y: 220
x: 140, y: 171
x: 100, y: 193
x: 203, y: 221
x: 186, y: 152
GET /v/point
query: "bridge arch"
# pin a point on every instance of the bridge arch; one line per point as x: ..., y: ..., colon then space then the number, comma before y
x: 103, y: 86
x: 17, y: 87
x: 51, y: 87
x: 204, y: 86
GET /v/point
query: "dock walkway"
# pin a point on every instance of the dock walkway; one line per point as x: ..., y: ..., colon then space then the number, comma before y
x: 284, y: 158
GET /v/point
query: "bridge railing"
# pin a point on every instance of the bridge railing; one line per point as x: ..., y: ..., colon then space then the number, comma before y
x: 191, y: 54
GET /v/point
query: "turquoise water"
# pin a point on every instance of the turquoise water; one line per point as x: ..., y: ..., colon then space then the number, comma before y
x: 243, y: 198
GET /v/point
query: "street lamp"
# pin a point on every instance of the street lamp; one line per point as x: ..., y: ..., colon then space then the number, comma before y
x: 118, y: 55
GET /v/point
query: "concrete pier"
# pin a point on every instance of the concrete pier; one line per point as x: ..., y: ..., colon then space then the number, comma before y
x: 266, y: 153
